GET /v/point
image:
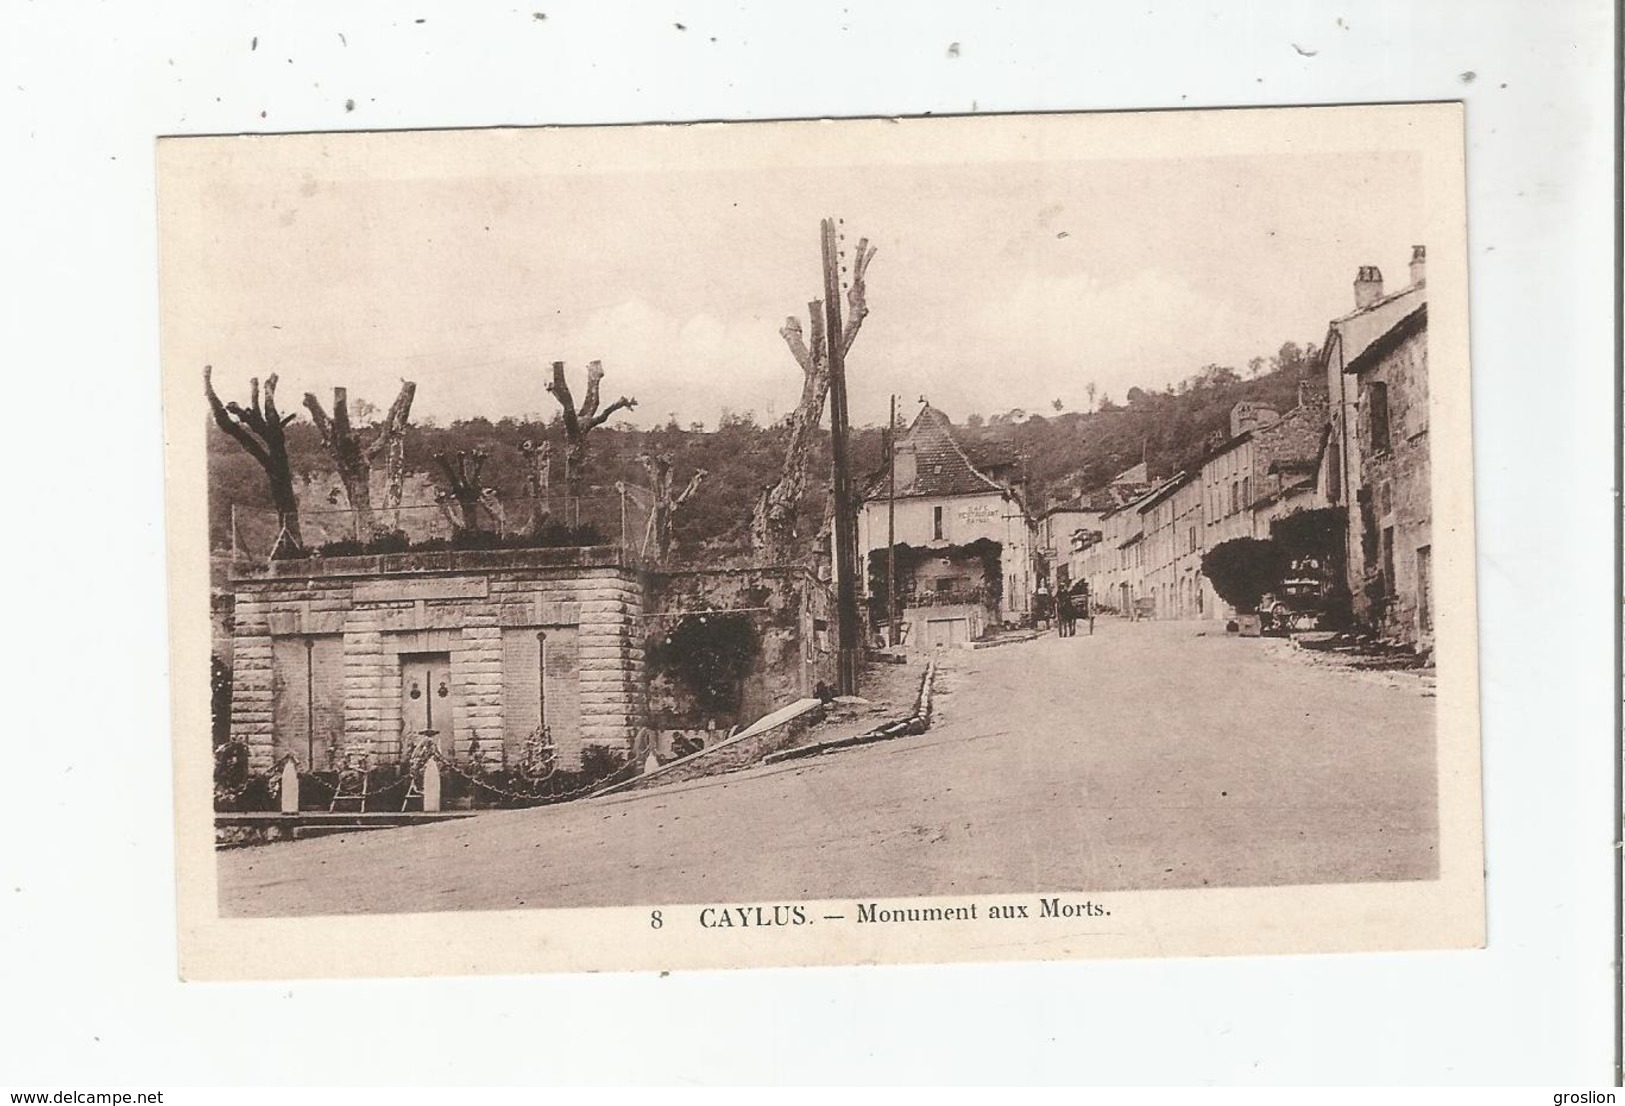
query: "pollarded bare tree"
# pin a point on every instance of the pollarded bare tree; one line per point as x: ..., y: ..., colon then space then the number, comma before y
x: 354, y: 460
x: 773, y: 526
x: 463, y: 481
x: 258, y: 429
x: 578, y: 423
x: 665, y: 503
x: 493, y: 503
x: 391, y: 445
x: 538, y: 483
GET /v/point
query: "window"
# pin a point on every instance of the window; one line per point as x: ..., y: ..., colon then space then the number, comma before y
x: 1388, y: 560
x: 1193, y: 540
x: 1334, y: 474
x: 1424, y: 589
x: 1377, y: 401
x: 936, y: 523
x: 1246, y: 490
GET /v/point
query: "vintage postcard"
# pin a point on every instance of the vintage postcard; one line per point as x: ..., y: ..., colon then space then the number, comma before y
x: 842, y: 541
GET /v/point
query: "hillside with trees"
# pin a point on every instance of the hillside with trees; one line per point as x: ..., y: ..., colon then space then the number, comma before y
x: 1069, y: 454
x: 1066, y: 453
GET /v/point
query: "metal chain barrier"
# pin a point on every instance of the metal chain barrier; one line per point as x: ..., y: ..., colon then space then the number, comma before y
x: 428, y: 749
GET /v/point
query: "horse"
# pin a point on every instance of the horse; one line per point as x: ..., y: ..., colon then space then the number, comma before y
x: 1066, y: 615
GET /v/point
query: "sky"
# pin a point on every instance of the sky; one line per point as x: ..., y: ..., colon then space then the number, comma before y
x: 1008, y: 274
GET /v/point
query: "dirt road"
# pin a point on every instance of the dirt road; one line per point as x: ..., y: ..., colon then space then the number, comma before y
x: 1143, y: 757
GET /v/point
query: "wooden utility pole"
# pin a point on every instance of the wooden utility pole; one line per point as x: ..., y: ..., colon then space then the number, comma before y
x: 891, y: 527
x: 846, y: 571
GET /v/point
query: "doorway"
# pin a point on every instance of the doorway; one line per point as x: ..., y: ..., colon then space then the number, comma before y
x: 307, y: 699
x: 946, y: 632
x: 427, y: 702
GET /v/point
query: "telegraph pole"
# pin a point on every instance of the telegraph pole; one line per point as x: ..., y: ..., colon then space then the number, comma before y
x: 846, y: 570
x: 891, y: 527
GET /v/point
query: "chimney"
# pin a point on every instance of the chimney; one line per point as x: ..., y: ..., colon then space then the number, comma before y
x: 1367, y: 287
x: 907, y: 460
x: 1419, y: 262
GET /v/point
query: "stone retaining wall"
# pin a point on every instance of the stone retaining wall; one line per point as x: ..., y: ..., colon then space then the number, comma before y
x: 791, y: 612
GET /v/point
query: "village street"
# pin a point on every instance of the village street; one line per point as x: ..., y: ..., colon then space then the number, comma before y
x: 1143, y: 757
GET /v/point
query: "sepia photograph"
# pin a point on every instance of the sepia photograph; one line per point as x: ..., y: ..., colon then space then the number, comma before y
x: 859, y: 540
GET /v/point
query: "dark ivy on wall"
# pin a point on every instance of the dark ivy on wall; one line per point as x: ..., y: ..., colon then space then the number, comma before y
x: 911, y: 557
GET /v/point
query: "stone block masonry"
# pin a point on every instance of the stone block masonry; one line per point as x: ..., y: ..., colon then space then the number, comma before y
x: 791, y: 614
x: 1391, y: 562
x: 467, y: 620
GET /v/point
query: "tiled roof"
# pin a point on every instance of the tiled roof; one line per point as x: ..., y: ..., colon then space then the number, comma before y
x: 1283, y: 492
x: 1138, y: 474
x: 941, y: 464
x: 1166, y: 488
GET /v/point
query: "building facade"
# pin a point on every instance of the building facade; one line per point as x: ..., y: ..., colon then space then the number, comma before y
x: 1144, y: 556
x: 1114, y: 565
x: 965, y: 541
x: 347, y: 659
x: 1392, y: 583
x: 498, y: 656
x: 1376, y: 465
x: 1172, y: 520
x: 1244, y: 480
x: 1060, y: 534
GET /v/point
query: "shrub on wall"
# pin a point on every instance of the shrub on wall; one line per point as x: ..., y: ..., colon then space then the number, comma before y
x: 230, y: 773
x: 553, y: 535
x: 235, y: 787
x: 219, y: 700
x: 709, y: 654
x: 1315, y: 532
x: 909, y: 558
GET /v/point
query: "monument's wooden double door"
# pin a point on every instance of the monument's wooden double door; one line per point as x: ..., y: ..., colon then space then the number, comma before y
x: 540, y: 694
x: 428, y: 700
x: 307, y: 699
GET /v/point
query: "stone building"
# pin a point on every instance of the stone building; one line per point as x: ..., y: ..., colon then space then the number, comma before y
x: 1060, y: 534
x: 1391, y: 578
x: 1115, y: 565
x: 498, y: 655
x: 965, y: 540
x: 1243, y: 477
x: 1171, y: 517
x: 1376, y: 464
x: 363, y: 658
x: 1148, y: 553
